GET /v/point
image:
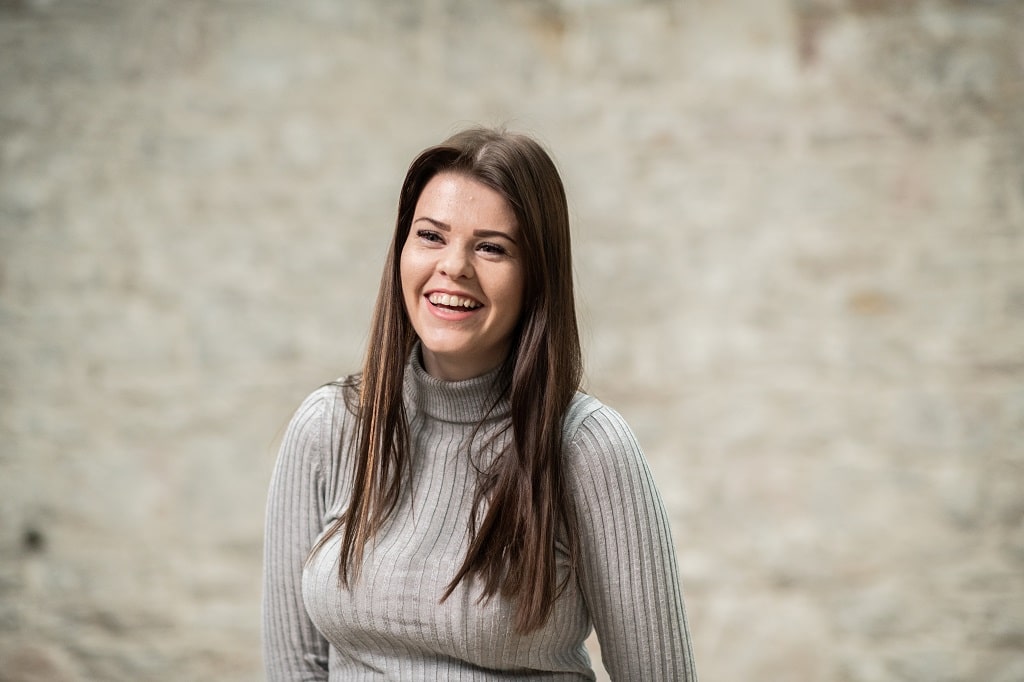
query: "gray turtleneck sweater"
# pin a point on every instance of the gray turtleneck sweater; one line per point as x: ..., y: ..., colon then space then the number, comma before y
x: 391, y: 624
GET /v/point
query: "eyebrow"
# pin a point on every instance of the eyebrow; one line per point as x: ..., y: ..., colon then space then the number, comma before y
x: 486, y: 234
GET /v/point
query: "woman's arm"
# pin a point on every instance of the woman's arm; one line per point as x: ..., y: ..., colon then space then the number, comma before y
x: 293, y: 649
x: 628, y: 570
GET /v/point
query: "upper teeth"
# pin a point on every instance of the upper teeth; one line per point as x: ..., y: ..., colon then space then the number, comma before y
x: 455, y: 301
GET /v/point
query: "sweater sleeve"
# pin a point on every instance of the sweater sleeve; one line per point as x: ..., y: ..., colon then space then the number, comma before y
x: 293, y: 649
x: 628, y: 571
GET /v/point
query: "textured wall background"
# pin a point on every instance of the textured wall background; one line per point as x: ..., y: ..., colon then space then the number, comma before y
x: 800, y: 245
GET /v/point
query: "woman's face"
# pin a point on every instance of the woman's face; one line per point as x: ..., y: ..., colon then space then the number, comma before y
x: 462, y: 276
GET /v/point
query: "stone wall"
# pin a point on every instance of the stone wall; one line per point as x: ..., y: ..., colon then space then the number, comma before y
x: 800, y: 246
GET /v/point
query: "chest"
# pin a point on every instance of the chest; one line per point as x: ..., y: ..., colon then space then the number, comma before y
x: 394, y: 607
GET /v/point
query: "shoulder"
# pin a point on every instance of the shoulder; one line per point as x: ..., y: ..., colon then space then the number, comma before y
x: 580, y: 408
x: 321, y: 417
x: 328, y: 402
x: 598, y: 438
x: 586, y: 414
x: 606, y: 471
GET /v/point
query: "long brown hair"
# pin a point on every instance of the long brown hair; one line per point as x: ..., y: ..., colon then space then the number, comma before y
x: 521, y: 501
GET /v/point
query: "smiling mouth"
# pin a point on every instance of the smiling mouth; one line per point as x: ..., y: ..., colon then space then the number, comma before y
x: 453, y: 302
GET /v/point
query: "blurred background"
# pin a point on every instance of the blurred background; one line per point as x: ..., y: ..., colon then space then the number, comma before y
x: 799, y: 243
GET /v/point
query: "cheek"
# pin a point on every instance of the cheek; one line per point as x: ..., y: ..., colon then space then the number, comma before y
x: 514, y: 295
x: 407, y: 271
x: 410, y: 285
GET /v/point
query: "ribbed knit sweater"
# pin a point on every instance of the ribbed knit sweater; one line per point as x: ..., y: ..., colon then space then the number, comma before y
x: 391, y: 624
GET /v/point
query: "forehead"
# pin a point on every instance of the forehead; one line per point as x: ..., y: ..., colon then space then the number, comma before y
x: 464, y: 202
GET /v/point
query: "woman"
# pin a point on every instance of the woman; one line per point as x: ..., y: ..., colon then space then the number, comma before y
x: 459, y: 510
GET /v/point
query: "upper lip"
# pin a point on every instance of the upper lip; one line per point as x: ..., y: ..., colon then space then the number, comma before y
x: 450, y: 292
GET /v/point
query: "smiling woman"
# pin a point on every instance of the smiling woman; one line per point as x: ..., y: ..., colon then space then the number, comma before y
x: 462, y: 277
x: 459, y: 510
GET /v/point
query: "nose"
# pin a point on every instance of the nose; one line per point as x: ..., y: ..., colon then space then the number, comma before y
x: 455, y: 263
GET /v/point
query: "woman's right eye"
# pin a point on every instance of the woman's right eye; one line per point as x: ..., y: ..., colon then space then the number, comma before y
x: 429, y: 235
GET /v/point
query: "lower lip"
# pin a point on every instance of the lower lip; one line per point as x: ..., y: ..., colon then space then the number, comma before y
x: 449, y: 314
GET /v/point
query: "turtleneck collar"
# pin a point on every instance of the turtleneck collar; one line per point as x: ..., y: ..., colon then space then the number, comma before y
x: 460, y: 402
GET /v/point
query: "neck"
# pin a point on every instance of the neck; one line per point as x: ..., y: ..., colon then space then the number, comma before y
x: 467, y: 401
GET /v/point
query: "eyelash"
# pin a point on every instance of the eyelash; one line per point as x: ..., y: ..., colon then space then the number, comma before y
x: 428, y: 235
x: 494, y: 249
x: 488, y: 247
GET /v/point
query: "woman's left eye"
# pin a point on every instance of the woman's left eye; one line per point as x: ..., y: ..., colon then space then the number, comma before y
x: 494, y: 249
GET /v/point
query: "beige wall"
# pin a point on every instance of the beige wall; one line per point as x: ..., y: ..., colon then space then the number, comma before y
x: 800, y: 247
